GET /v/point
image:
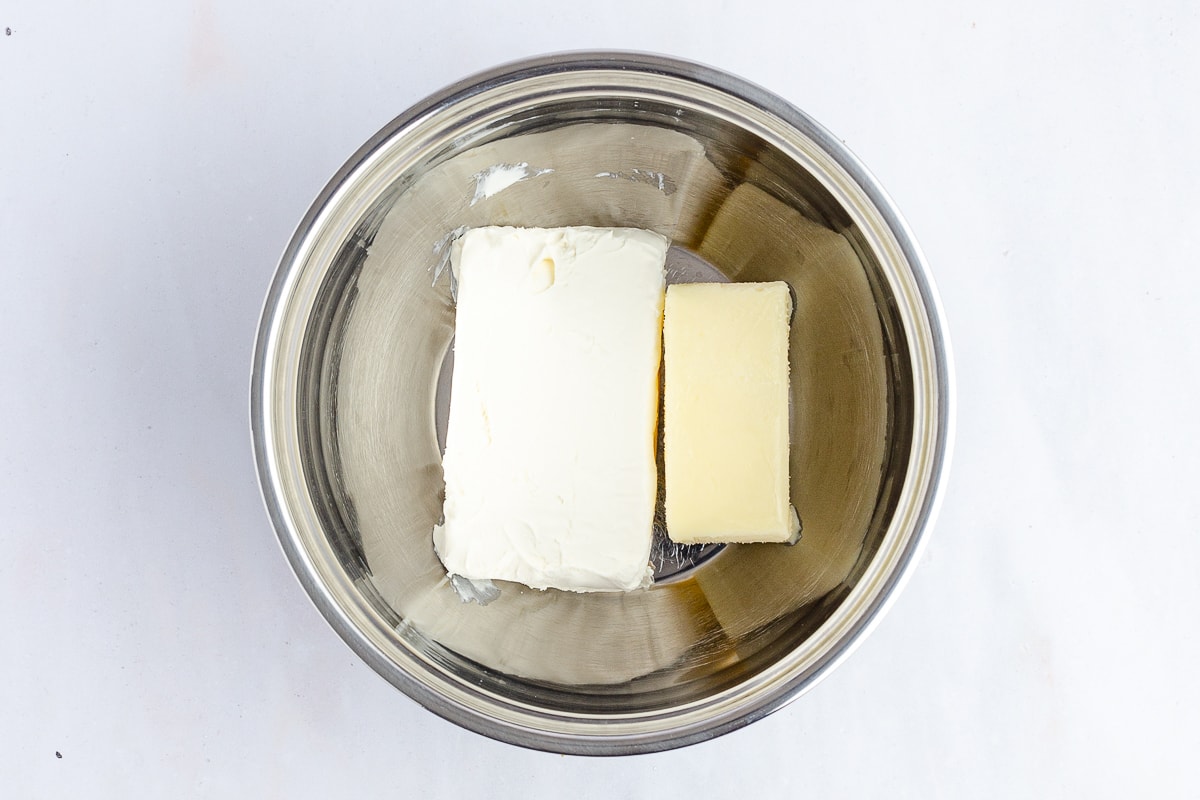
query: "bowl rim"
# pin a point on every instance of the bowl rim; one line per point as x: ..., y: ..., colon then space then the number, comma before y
x: 599, y: 743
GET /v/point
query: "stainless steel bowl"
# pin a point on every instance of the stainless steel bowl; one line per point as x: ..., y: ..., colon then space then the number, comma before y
x: 350, y: 387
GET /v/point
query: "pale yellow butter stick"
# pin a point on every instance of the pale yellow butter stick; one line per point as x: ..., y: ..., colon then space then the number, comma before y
x: 725, y: 413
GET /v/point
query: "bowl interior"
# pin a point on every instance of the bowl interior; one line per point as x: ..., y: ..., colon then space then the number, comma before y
x: 359, y: 387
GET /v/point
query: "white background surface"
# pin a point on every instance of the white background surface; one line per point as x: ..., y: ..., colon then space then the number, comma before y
x: 152, y: 168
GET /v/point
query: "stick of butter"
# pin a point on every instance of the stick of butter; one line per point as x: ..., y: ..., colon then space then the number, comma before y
x: 549, y: 465
x: 725, y: 413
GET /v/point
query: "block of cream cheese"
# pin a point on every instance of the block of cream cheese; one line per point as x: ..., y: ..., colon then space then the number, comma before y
x: 725, y: 413
x: 549, y: 464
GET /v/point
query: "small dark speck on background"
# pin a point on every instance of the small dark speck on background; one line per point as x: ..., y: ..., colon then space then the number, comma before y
x: 57, y: 754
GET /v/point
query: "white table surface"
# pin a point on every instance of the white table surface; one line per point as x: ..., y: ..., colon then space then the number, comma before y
x: 153, y: 165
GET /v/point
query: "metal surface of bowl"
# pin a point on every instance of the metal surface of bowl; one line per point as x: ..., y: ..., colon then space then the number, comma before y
x: 350, y: 386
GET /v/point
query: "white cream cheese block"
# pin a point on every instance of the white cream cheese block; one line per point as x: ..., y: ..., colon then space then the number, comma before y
x: 725, y: 413
x: 549, y: 464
